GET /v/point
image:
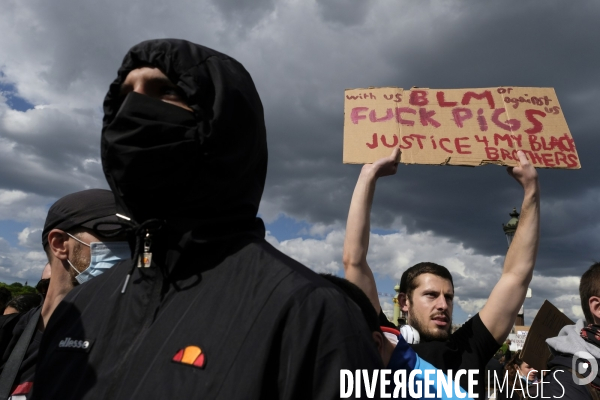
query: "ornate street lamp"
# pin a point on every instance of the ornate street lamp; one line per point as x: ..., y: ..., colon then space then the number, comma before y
x: 509, y: 230
x: 397, y: 311
x: 511, y: 226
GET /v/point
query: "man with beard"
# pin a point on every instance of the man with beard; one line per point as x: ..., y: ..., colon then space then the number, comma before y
x: 74, y: 239
x: 426, y: 295
x: 395, y: 352
x: 428, y: 288
x: 206, y: 308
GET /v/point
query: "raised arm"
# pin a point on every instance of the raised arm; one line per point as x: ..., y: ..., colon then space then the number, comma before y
x: 500, y: 311
x: 356, y: 243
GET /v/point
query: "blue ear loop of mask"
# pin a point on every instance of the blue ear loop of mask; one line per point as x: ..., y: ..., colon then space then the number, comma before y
x: 103, y: 256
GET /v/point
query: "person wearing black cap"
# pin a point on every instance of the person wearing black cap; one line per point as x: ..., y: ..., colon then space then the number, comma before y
x: 78, y: 248
x: 206, y: 308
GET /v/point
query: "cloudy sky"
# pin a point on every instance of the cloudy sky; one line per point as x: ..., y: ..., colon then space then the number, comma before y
x: 57, y: 59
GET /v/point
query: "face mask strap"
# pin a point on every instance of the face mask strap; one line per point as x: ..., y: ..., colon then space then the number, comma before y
x: 72, y: 266
x: 83, y: 243
x: 80, y: 241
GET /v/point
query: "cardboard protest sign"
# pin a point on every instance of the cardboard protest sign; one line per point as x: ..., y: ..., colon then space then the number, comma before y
x: 520, y: 336
x: 458, y: 126
x: 547, y: 323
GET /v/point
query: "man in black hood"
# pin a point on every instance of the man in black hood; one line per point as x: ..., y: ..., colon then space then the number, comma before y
x: 206, y: 307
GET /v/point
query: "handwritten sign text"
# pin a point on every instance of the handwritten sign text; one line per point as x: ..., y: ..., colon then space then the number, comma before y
x: 458, y: 126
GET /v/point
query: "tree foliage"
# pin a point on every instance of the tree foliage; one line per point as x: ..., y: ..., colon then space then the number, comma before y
x: 17, y: 288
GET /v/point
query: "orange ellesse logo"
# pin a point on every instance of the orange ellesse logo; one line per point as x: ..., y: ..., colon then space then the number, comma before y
x: 191, y: 355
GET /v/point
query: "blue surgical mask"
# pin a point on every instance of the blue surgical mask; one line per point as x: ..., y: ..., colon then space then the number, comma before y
x: 103, y: 255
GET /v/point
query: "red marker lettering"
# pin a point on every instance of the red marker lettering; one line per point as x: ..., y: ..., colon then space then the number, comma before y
x: 374, y: 144
x: 534, y: 144
x: 560, y: 158
x: 433, y: 143
x: 442, y: 101
x: 533, y: 157
x: 408, y: 141
x: 567, y: 143
x: 498, y: 138
x: 517, y: 138
x: 447, y: 150
x: 459, y: 146
x: 510, y: 125
x: 537, y: 125
x: 419, y: 137
x: 548, y: 161
x: 553, y: 143
x: 427, y: 118
x: 461, y: 114
x: 388, y: 115
x: 355, y: 115
x: 400, y: 111
x: 389, y: 145
x: 573, y: 159
x: 483, y: 139
x: 505, y: 154
x: 481, y: 121
x: 418, y: 98
x: 484, y: 95
x: 491, y: 153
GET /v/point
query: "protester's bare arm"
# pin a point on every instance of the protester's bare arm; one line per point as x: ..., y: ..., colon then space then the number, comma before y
x: 501, y: 309
x: 356, y: 243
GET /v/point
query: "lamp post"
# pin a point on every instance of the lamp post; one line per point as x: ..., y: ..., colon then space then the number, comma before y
x: 511, y: 226
x: 397, y: 311
x: 509, y: 230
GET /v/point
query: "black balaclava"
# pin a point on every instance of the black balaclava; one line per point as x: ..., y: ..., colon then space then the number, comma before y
x: 203, y: 170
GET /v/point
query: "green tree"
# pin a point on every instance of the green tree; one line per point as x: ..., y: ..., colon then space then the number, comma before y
x: 17, y: 288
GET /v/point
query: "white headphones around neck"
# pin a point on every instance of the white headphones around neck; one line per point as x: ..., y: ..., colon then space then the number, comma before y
x: 410, y: 334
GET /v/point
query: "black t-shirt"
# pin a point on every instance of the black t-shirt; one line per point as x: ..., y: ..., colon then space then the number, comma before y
x: 11, y: 331
x: 470, y: 347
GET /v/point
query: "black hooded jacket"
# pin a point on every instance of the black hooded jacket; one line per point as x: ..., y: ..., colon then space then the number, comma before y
x: 220, y: 313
